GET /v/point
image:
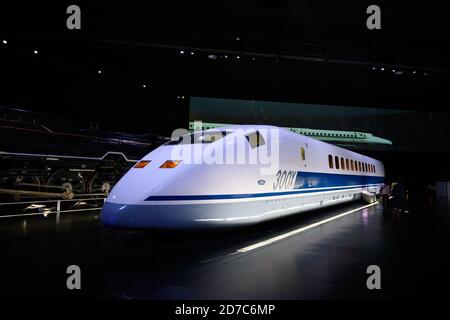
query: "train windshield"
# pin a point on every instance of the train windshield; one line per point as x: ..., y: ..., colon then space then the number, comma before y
x: 198, y: 137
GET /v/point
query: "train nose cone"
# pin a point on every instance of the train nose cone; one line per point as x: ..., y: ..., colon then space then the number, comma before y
x: 129, y: 216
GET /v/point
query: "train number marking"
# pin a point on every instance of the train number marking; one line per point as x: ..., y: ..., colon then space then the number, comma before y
x: 285, y: 180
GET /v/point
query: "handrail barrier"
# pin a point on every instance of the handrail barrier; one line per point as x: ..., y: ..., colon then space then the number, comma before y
x: 45, y: 213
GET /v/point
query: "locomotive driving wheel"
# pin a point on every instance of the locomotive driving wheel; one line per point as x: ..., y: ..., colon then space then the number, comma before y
x: 102, y: 182
x: 28, y: 181
x: 25, y: 182
x: 70, y: 182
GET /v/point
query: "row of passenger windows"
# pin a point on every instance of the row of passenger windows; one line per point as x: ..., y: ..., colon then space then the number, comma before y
x: 350, y: 165
x: 324, y: 134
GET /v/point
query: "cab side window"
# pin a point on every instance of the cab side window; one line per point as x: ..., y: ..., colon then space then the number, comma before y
x: 330, y: 161
x: 255, y: 139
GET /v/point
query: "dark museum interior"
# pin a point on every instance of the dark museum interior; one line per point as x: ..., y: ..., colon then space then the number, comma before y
x: 135, y: 72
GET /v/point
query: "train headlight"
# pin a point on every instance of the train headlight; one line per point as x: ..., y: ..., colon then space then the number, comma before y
x: 141, y: 164
x: 169, y: 164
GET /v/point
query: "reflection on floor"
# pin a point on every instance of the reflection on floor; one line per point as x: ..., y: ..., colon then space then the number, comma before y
x: 326, y: 262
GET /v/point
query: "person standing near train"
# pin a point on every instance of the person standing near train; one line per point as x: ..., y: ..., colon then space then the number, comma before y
x: 398, y: 193
x: 385, y: 194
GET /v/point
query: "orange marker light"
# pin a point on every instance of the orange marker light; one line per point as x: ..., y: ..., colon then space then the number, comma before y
x: 169, y: 164
x: 141, y: 164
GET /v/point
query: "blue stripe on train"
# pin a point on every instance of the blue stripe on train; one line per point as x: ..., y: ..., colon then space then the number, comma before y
x: 303, y: 182
x: 306, y: 180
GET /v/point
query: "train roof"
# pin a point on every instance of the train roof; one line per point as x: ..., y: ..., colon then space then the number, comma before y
x: 286, y: 130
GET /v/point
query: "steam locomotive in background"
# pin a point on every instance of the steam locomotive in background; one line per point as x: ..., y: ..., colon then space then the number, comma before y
x: 45, y: 156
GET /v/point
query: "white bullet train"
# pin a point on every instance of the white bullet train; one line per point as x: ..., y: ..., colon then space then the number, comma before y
x: 174, y: 187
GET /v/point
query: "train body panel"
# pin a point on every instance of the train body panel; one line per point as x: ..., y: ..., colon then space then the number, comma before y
x: 196, y: 193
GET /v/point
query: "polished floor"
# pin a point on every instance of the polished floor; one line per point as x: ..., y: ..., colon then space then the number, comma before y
x: 325, y: 262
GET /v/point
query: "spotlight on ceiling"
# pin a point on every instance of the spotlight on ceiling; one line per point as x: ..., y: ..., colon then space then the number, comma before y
x: 99, y: 71
x: 238, y: 38
x: 373, y: 68
x: 212, y: 57
x: 192, y: 52
x: 382, y: 68
x: 144, y: 86
x: 414, y: 72
x: 237, y: 57
x: 5, y: 42
x: 393, y: 70
x: 35, y: 52
x: 182, y: 51
x: 399, y: 73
